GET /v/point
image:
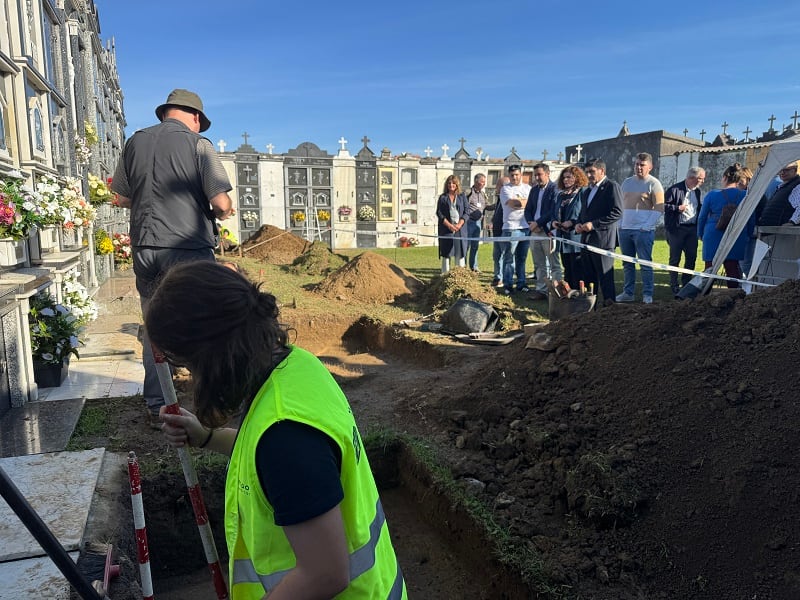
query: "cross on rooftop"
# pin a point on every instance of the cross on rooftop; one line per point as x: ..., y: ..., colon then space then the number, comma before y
x: 222, y: 145
x: 445, y: 148
x: 428, y: 151
x: 724, y: 128
x: 463, y: 141
x: 579, y: 148
x: 245, y: 135
x: 685, y: 132
x: 703, y: 132
x: 747, y: 133
x: 544, y: 154
x: 343, y: 143
x: 771, y: 122
x: 794, y: 118
x: 270, y: 148
x: 366, y: 140
x: 479, y: 152
x: 560, y: 156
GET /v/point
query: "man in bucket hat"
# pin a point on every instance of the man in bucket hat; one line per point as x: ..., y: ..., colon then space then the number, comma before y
x: 176, y: 187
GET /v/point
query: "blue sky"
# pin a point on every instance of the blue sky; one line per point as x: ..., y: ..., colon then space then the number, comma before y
x: 411, y: 74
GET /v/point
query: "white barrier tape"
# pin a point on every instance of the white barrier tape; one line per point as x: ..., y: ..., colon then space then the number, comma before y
x: 601, y: 251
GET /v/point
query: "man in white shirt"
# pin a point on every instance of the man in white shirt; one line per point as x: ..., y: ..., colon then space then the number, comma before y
x: 682, y: 203
x: 514, y: 197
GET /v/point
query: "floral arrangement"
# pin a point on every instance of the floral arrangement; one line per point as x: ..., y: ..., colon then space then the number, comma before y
x: 412, y: 241
x: 345, y: 211
x: 298, y: 216
x: 366, y: 213
x: 54, y: 330
x: 102, y: 243
x: 90, y: 133
x: 407, y: 241
x: 82, y: 151
x: 123, y: 256
x: 99, y: 190
x: 250, y: 215
x: 323, y: 215
x: 77, y: 211
x: 18, y: 209
x: 78, y: 301
x: 48, y: 198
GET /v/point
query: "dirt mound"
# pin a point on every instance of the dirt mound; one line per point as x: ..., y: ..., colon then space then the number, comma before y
x: 446, y: 288
x: 274, y: 245
x: 372, y: 279
x: 651, y: 452
x: 318, y: 260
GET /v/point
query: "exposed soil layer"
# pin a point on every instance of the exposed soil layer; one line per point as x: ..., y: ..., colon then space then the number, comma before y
x: 274, y: 245
x: 371, y: 279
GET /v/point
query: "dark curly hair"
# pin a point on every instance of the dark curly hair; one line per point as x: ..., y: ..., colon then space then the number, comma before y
x: 223, y: 328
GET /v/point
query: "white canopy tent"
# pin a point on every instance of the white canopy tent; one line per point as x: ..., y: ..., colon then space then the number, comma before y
x: 779, y: 155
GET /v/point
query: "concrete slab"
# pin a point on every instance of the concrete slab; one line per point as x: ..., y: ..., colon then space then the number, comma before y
x: 59, y: 486
x: 38, y: 427
x: 34, y: 578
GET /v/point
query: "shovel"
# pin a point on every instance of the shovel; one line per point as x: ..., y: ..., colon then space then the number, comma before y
x: 408, y: 322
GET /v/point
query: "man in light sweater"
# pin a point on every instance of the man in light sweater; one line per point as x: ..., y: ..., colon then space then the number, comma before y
x: 513, y: 198
x: 643, y: 205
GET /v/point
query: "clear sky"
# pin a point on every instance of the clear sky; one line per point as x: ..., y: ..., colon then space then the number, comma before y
x: 413, y: 73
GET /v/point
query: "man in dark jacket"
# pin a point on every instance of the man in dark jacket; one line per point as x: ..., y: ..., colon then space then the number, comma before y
x: 539, y: 212
x: 682, y: 204
x: 175, y: 185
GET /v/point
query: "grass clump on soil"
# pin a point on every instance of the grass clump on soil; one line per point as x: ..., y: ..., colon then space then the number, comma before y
x: 317, y: 260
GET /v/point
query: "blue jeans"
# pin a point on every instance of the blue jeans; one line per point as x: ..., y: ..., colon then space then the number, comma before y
x: 514, y: 256
x: 637, y: 243
x: 473, y: 231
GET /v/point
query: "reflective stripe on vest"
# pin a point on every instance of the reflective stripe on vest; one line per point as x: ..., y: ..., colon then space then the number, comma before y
x: 361, y: 561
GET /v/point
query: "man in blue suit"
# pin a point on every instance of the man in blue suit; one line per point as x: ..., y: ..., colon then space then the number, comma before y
x: 539, y: 212
x: 598, y: 225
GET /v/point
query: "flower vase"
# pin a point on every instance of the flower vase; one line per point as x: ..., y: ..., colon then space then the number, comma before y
x: 12, y: 252
x: 48, y: 239
x: 48, y: 375
x: 404, y: 244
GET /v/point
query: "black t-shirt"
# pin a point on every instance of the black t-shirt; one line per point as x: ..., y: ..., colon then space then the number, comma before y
x: 299, y: 470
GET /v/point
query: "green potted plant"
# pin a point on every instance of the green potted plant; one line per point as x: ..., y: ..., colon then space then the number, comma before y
x: 54, y: 338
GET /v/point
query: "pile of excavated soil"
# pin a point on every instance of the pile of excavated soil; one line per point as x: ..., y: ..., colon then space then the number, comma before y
x: 317, y: 260
x: 274, y: 245
x: 446, y: 288
x: 651, y: 451
x: 371, y: 279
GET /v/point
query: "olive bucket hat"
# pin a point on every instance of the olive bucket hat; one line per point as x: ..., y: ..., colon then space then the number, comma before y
x: 184, y: 99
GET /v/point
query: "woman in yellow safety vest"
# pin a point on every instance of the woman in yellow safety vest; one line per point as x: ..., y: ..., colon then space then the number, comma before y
x: 302, y: 514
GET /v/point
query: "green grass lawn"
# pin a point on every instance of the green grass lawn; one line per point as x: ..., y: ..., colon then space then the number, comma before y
x: 424, y: 263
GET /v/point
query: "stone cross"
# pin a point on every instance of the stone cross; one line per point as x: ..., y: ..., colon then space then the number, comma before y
x: 794, y: 118
x: 428, y: 151
x: 578, y: 148
x: 771, y: 122
x: 366, y: 141
x: 703, y: 132
x: 513, y: 149
x: 445, y: 148
x: 479, y: 152
x: 560, y: 156
x: 247, y: 169
x: 463, y: 141
x: 222, y: 145
x: 343, y: 143
x: 685, y: 132
x: 724, y: 128
x: 747, y: 133
x: 245, y: 135
x: 270, y: 148
x: 544, y: 154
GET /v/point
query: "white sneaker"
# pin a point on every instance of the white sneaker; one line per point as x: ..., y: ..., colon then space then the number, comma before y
x: 647, y: 299
x: 623, y: 297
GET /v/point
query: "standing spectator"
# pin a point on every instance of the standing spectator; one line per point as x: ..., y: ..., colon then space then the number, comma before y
x: 476, y: 198
x: 514, y: 197
x: 539, y: 212
x: 451, y: 211
x: 682, y: 203
x: 710, y: 213
x: 571, y: 182
x: 783, y: 207
x: 175, y: 185
x: 601, y: 210
x: 497, y: 231
x: 643, y: 204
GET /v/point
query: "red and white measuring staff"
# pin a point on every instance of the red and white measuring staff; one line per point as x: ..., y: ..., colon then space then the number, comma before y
x: 141, y: 531
x: 192, y: 483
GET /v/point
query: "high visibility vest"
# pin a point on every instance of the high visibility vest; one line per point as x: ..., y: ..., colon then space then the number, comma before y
x: 301, y: 389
